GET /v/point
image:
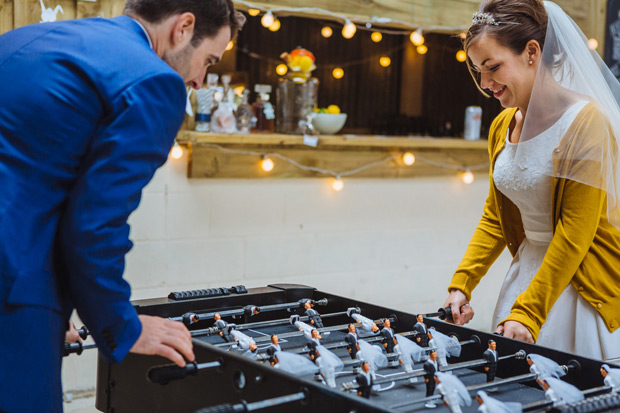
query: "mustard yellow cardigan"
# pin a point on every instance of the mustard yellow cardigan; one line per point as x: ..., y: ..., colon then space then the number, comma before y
x: 584, y: 251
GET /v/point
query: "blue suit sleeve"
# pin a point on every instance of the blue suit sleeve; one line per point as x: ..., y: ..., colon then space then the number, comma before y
x: 94, y: 235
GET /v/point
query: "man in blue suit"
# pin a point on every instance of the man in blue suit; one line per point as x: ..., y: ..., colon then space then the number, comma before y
x: 88, y: 111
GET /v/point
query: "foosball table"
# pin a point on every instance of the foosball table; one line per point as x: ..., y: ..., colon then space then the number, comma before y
x: 293, y: 348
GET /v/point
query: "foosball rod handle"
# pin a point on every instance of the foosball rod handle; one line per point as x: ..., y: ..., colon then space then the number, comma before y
x: 83, y: 332
x: 77, y: 348
x: 442, y: 314
x: 170, y: 372
x: 250, y: 407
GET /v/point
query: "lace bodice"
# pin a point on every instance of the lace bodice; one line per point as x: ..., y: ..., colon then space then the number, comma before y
x: 528, y: 181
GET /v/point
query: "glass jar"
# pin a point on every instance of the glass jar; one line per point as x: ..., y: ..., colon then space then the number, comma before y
x: 294, y: 102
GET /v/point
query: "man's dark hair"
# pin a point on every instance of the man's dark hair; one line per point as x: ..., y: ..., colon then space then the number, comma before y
x: 491, y: 341
x: 211, y: 15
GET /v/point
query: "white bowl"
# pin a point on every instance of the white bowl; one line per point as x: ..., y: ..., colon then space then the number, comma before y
x: 329, y: 123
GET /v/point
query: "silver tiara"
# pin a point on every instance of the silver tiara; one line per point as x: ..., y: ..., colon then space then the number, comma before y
x: 484, y: 18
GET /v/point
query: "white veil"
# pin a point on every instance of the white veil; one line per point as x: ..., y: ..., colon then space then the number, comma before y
x: 564, y: 390
x: 498, y: 406
x: 569, y: 73
x: 452, y: 384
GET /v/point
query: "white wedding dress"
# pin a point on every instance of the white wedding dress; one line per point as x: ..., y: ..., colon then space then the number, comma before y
x: 572, y: 325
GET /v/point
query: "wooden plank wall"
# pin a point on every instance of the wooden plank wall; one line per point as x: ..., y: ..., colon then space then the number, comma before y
x: 589, y: 15
x: 17, y: 13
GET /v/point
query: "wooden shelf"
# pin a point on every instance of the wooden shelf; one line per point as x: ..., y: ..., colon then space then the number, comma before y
x: 334, y: 152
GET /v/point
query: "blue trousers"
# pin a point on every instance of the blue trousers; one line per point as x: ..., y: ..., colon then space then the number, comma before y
x: 31, y: 345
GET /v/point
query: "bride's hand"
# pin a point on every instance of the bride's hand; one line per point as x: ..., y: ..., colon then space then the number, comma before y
x: 462, y: 312
x: 515, y: 330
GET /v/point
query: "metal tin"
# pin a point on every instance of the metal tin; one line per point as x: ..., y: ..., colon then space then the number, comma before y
x: 473, y: 120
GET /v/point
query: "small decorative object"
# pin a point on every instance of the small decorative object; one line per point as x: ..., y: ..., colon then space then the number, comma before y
x: 48, y: 15
x: 204, y: 97
x: 223, y: 120
x: 296, y: 93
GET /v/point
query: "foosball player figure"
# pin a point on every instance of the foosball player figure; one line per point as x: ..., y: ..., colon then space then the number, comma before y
x: 312, y: 345
x: 611, y: 378
x: 273, y: 347
x: 487, y: 404
x: 250, y: 310
x: 313, y: 315
x: 430, y: 368
x: 421, y: 331
x: 223, y: 327
x: 364, y: 381
x: 490, y: 356
x: 252, y: 352
x: 352, y: 345
x: 389, y: 341
x: 453, y: 392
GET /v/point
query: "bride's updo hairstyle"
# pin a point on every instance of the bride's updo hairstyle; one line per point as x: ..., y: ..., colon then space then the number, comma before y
x: 512, y: 23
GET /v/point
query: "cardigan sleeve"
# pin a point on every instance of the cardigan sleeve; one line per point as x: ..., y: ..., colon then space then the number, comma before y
x: 579, y: 209
x: 488, y: 240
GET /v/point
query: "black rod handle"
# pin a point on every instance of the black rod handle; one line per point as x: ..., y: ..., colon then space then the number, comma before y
x: 168, y: 373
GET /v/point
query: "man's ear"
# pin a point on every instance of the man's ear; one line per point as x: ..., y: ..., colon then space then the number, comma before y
x: 183, y: 29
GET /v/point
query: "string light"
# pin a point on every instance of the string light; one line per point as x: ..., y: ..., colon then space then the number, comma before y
x: 592, y: 44
x: 422, y: 49
x: 177, y: 151
x: 267, y: 19
x: 230, y: 45
x: 467, y: 177
x: 327, y: 32
x: 253, y: 12
x: 376, y: 37
x: 267, y: 164
x: 349, y: 29
x: 408, y: 158
x: 337, y: 184
x: 461, y: 56
x: 385, y: 61
x: 275, y: 26
x: 463, y: 35
x: 416, y: 38
x: 281, y: 69
x: 338, y: 73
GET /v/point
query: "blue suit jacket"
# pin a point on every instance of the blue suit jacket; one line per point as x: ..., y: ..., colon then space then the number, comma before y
x: 88, y: 112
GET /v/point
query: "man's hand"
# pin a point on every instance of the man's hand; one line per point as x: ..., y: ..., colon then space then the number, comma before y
x: 515, y: 330
x: 166, y: 338
x: 72, y: 335
x: 462, y: 312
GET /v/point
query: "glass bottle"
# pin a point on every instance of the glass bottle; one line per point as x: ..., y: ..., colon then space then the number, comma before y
x: 205, y: 99
x: 263, y: 109
x: 223, y: 119
x: 245, y: 114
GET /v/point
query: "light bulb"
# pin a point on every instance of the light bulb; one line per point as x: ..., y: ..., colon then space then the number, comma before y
x: 408, y: 158
x: 385, y: 61
x: 281, y: 69
x: 349, y: 29
x: 230, y: 45
x: 337, y: 184
x: 461, y: 56
x: 416, y: 38
x: 267, y: 164
x: 422, y: 49
x: 275, y: 26
x: 177, y: 151
x: 253, y: 12
x: 267, y: 19
x: 338, y: 73
x: 327, y: 32
x: 467, y: 177
x: 593, y: 44
x: 376, y: 37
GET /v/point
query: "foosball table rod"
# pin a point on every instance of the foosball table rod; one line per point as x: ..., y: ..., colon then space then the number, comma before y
x: 192, y: 318
x: 259, y: 324
x: 169, y: 372
x: 610, y: 401
x: 250, y: 407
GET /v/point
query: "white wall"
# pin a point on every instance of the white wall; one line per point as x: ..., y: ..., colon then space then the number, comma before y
x: 391, y: 242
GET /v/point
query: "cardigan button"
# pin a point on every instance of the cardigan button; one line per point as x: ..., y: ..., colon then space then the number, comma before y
x: 580, y: 289
x: 612, y: 325
x: 599, y: 305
